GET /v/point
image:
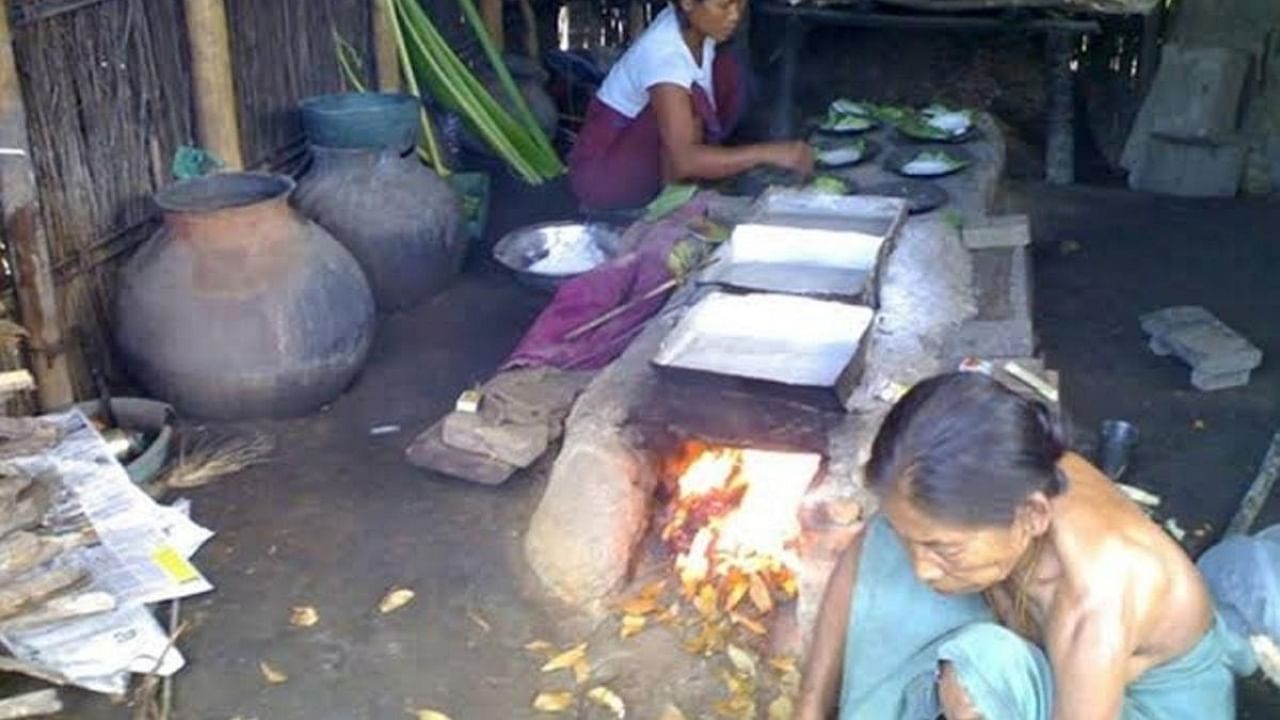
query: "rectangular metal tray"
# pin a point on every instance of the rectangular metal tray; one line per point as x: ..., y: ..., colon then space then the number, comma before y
x: 783, y: 339
x: 806, y: 243
x: 801, y: 261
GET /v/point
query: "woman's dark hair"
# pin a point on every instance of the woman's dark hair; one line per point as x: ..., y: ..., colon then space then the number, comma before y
x: 965, y: 449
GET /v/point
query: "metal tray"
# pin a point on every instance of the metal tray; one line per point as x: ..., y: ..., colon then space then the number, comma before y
x: 848, y: 219
x: 781, y: 339
x: 800, y: 261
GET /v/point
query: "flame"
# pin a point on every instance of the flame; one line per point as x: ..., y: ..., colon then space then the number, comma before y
x: 734, y: 516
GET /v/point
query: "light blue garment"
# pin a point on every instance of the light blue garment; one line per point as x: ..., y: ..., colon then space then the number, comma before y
x: 899, y: 629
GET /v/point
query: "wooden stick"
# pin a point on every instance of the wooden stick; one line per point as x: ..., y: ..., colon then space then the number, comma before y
x: 606, y: 317
x: 1259, y: 491
x: 532, y: 45
x: 22, y: 667
x: 25, y: 237
x: 43, y: 702
x: 215, y: 93
x: 386, y: 53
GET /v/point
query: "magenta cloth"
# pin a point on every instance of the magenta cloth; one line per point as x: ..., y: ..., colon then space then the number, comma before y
x: 617, y: 161
x: 592, y: 294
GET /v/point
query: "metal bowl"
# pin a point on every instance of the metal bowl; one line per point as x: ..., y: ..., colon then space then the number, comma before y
x: 521, y: 249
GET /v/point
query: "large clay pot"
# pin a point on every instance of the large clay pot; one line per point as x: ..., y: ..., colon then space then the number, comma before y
x: 397, y: 217
x: 239, y: 307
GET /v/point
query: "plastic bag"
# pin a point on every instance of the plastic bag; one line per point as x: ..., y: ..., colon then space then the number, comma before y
x: 1243, y: 573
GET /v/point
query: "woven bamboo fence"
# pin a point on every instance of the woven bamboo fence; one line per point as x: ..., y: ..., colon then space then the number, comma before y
x: 109, y: 101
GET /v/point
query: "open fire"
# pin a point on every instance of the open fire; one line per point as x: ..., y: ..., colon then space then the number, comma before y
x: 732, y: 522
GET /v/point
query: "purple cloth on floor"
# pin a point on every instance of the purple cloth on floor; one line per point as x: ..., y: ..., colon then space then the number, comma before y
x: 592, y: 294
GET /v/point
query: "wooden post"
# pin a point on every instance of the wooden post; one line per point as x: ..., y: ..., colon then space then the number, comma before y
x: 215, y: 92
x: 1060, y: 146
x: 386, y: 52
x: 25, y: 235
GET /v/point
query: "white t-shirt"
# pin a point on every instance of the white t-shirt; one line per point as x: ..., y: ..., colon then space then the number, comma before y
x: 658, y: 56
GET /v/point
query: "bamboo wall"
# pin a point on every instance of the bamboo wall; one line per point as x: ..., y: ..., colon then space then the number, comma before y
x: 109, y: 101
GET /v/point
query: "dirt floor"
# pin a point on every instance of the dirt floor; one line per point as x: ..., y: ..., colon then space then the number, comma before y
x: 338, y: 517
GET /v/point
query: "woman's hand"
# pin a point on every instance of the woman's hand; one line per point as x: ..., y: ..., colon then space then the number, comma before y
x: 796, y: 156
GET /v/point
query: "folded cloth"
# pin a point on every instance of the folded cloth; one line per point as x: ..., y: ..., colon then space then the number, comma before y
x: 593, y: 294
x: 900, y: 630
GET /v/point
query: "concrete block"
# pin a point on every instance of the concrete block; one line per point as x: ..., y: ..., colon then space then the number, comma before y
x: 518, y: 445
x: 1221, y: 381
x: 1005, y: 231
x: 429, y: 452
x: 1213, y: 348
x: 1160, y: 322
x: 1190, y: 169
x: 1199, y: 99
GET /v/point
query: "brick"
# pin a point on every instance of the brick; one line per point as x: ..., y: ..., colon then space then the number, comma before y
x: 1213, y: 348
x: 1160, y: 322
x: 429, y: 452
x: 1222, y: 381
x: 514, y: 444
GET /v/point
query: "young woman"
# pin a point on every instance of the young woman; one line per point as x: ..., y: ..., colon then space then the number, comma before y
x: 1006, y: 578
x: 665, y: 107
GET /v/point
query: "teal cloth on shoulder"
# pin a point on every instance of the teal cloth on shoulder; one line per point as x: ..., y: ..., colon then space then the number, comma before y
x: 899, y: 629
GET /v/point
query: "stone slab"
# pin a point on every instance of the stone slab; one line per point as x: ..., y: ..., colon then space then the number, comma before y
x: 1190, y: 169
x: 1004, y: 231
x: 429, y: 452
x: 514, y: 444
x: 1200, y: 96
x: 1160, y: 322
x: 534, y: 395
x: 1209, y: 382
x: 1213, y: 348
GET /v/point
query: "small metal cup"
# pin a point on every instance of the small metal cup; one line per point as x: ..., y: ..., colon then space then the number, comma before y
x: 1116, y: 440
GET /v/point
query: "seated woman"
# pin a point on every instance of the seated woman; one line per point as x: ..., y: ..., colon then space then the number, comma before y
x: 664, y: 108
x: 1005, y: 578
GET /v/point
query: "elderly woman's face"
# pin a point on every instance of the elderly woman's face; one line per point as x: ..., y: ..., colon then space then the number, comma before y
x: 954, y: 559
x: 717, y: 19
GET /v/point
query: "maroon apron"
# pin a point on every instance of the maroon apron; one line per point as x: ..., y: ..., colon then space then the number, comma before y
x: 617, y: 161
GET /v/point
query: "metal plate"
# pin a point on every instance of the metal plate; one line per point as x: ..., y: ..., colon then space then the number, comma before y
x: 524, y: 247
x: 803, y: 261
x: 921, y: 196
x: 783, y: 339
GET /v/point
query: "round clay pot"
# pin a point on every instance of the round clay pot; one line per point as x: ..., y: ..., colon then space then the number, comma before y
x: 239, y: 307
x: 402, y: 222
x: 362, y: 120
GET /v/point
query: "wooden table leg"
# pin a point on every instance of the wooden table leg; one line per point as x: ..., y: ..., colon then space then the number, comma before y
x: 1060, y: 145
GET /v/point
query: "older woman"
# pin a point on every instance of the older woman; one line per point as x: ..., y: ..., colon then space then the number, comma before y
x: 1007, y: 578
x: 664, y: 109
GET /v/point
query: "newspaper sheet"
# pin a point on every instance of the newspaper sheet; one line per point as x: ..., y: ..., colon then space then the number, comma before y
x: 142, y: 557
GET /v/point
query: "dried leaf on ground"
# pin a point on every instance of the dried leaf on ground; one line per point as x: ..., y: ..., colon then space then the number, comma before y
x: 304, y: 617
x: 706, y: 602
x: 760, y: 595
x: 781, y: 709
x: 742, y: 660
x: 789, y: 586
x: 639, y: 606
x: 632, y: 625
x: 606, y: 698
x: 670, y: 615
x: 542, y: 647
x: 429, y: 715
x: 272, y: 675
x: 566, y: 659
x: 751, y: 625
x: 737, y: 590
x: 582, y: 671
x: 479, y: 620
x: 783, y: 663
x: 553, y: 701
x: 395, y: 599
x: 671, y: 712
x: 739, y: 707
x: 653, y: 590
